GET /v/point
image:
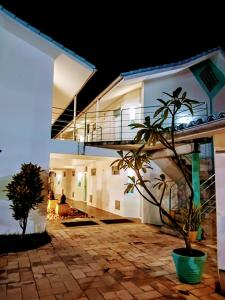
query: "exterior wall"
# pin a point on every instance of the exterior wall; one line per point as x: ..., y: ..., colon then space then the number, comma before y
x: 103, y: 189
x: 219, y: 146
x: 150, y: 212
x: 154, y: 89
x: 26, y: 80
x: 108, y: 122
x: 218, y: 102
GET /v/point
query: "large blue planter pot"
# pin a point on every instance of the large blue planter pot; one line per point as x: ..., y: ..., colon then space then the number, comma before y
x: 189, y: 268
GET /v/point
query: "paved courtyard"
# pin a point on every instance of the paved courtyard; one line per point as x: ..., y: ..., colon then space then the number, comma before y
x: 120, y: 261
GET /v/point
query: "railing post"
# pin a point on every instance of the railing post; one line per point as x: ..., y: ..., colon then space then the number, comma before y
x: 85, y: 127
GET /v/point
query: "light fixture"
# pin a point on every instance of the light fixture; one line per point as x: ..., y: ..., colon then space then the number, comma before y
x: 59, y: 177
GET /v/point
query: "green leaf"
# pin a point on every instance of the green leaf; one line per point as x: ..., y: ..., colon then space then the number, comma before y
x: 144, y: 170
x: 158, y: 111
x: 162, y: 176
x: 184, y: 95
x: 147, y: 121
x: 162, y: 101
x: 167, y: 95
x: 165, y: 116
x: 176, y: 93
x: 120, y: 153
x: 132, y: 178
x: 136, y: 125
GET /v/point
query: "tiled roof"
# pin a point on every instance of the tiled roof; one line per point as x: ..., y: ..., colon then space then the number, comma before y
x: 169, y: 66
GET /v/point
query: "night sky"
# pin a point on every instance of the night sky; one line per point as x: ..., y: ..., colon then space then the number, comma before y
x: 118, y: 38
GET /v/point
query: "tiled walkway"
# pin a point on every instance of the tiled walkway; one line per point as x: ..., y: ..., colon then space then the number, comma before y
x: 122, y: 261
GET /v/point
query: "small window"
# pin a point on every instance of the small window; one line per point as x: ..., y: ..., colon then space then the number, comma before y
x: 209, y: 78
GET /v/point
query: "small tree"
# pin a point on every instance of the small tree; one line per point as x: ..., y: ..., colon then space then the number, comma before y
x: 25, y: 192
x: 139, y: 160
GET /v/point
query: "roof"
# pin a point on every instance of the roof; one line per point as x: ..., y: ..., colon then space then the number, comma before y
x: 47, y: 38
x: 170, y: 66
x: 139, y: 75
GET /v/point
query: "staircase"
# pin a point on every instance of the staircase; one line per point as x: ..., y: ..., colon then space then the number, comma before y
x: 179, y: 193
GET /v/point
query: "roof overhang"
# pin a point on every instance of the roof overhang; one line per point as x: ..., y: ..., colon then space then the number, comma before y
x: 71, y: 71
x: 132, y: 80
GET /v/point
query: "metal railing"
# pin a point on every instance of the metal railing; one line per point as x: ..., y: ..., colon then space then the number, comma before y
x: 113, y: 125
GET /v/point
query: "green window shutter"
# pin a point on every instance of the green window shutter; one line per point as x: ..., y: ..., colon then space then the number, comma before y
x: 210, y: 77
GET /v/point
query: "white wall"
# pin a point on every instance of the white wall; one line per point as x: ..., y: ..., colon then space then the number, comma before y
x: 26, y: 80
x: 154, y: 89
x: 219, y: 146
x: 104, y: 188
x: 150, y: 212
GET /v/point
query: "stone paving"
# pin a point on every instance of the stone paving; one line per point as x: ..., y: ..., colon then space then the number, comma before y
x: 121, y: 261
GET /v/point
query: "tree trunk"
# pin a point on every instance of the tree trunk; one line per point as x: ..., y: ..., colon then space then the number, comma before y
x: 24, y: 226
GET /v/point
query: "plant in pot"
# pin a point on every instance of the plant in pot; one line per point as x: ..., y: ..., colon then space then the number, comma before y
x: 195, y: 222
x: 189, y: 262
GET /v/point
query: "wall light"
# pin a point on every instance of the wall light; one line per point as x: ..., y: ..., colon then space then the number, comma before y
x: 59, y: 177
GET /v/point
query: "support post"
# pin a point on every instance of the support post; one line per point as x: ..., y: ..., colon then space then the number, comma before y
x: 219, y: 148
x: 196, y: 180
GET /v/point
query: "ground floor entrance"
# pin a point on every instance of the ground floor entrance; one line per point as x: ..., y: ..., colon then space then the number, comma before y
x: 91, y: 183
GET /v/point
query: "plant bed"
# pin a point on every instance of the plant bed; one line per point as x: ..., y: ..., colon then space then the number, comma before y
x: 14, y: 243
x: 72, y: 213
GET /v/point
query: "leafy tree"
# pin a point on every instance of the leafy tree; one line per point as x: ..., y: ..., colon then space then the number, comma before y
x: 161, y: 130
x: 25, y: 192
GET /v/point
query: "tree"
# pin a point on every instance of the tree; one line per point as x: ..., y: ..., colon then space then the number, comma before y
x: 160, y: 130
x: 25, y: 192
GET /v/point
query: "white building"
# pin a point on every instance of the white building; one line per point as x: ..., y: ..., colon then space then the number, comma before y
x: 38, y: 79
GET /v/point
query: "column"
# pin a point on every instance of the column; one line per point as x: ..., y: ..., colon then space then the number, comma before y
x: 219, y: 158
x: 196, y: 180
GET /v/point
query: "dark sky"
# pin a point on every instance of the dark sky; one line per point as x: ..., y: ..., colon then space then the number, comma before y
x: 118, y: 38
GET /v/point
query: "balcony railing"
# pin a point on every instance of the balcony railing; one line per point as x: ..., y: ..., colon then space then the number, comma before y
x: 113, y: 125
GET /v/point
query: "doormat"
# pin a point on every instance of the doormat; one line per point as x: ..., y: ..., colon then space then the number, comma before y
x: 79, y: 223
x: 116, y: 221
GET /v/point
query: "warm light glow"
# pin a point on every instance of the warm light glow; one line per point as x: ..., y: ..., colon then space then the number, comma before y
x: 59, y: 177
x: 79, y: 176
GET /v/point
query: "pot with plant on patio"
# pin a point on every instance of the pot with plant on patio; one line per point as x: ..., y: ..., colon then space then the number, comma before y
x: 188, y: 262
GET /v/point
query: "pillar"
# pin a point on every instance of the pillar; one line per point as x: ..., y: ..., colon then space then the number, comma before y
x: 219, y: 159
x: 196, y: 180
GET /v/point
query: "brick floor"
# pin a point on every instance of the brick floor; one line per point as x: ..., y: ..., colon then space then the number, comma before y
x: 120, y: 261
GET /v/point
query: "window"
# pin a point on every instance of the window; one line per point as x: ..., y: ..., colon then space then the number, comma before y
x: 209, y: 78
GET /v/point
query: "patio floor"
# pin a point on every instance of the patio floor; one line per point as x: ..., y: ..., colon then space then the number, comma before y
x: 119, y: 261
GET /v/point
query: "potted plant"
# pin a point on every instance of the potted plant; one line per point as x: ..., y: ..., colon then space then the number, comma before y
x: 195, y: 222
x: 162, y: 129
